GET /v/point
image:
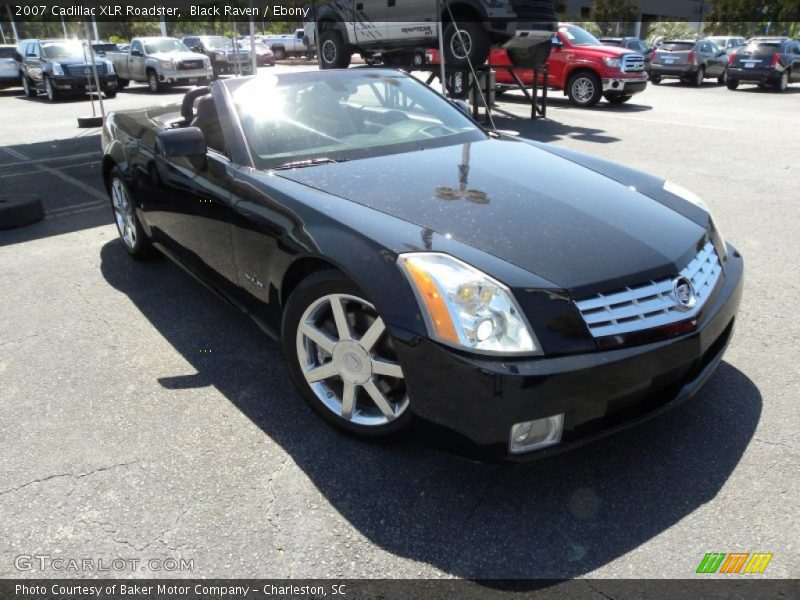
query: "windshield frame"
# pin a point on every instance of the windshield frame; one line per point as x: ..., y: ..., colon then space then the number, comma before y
x: 210, y: 42
x: 323, y: 155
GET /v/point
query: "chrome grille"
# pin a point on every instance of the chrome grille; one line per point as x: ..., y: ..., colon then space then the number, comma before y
x: 188, y: 65
x: 632, y: 63
x: 83, y: 70
x: 652, y: 304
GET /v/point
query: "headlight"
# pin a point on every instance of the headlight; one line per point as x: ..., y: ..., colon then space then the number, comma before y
x: 166, y: 64
x: 57, y: 69
x: 109, y: 67
x: 466, y: 308
x: 612, y: 63
x: 676, y: 190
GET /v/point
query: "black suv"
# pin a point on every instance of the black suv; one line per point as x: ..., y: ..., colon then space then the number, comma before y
x: 691, y: 61
x: 769, y: 62
x: 60, y: 67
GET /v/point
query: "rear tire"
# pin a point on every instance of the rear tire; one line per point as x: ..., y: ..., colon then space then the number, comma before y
x: 655, y: 79
x: 584, y: 89
x: 131, y: 233
x: 110, y: 94
x: 279, y: 53
x: 333, y: 51
x: 699, y: 76
x: 783, y: 82
x: 723, y: 79
x: 472, y: 46
x: 312, y: 339
x: 122, y: 83
x: 732, y: 84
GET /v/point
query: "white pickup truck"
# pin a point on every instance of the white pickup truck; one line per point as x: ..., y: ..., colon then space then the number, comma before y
x: 160, y: 62
x: 286, y: 45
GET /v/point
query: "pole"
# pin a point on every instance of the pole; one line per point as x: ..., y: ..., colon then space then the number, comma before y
x: 163, y: 26
x: 97, y: 83
x: 2, y: 33
x: 441, y: 47
x: 13, y: 24
x: 253, y: 57
x: 64, y: 28
x: 94, y: 29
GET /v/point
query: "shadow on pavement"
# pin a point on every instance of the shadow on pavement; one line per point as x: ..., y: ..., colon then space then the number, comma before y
x: 564, y: 516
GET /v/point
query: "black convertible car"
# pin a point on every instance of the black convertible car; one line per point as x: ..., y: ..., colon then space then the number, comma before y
x: 412, y: 263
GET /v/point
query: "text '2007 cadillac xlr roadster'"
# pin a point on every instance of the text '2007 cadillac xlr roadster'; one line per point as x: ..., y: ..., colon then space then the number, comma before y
x: 526, y: 297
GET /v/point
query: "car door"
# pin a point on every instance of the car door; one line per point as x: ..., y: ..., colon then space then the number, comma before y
x: 370, y: 25
x: 557, y: 61
x: 136, y: 61
x: 411, y: 21
x: 794, y: 53
x: 189, y: 211
x: 719, y: 58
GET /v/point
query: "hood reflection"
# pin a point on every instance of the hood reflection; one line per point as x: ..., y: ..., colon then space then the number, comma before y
x: 448, y: 193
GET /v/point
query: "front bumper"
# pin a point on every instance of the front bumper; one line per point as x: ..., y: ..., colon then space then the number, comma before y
x: 178, y: 76
x: 479, y: 399
x: 227, y: 68
x: 77, y: 85
x: 766, y: 75
x: 625, y: 85
x: 673, y: 71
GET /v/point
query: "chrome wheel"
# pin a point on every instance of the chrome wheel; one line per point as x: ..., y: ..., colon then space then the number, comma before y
x: 26, y: 87
x: 123, y: 213
x: 328, y: 51
x: 348, y: 361
x: 153, y: 82
x: 583, y: 90
x: 699, y: 77
x: 51, y: 91
x: 461, y: 44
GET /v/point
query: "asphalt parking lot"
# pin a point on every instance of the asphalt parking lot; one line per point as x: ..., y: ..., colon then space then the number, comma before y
x: 144, y: 418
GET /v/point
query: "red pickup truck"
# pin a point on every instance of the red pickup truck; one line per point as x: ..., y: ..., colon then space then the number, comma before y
x: 582, y: 67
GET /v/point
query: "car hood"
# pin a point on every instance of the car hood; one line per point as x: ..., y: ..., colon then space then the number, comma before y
x: 75, y: 60
x: 603, y: 51
x: 551, y: 216
x: 176, y: 56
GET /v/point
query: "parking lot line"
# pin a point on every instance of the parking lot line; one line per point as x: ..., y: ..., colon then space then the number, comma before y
x: 63, y: 176
x: 34, y: 161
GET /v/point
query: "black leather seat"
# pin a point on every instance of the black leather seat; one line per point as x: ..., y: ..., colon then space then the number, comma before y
x: 207, y: 120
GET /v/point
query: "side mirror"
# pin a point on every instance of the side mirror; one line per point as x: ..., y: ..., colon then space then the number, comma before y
x: 555, y: 43
x: 186, y: 142
x: 136, y: 53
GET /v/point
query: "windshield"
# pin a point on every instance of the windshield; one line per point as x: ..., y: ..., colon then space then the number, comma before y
x: 578, y: 36
x: 718, y: 41
x: 62, y: 50
x: 676, y: 46
x: 761, y: 48
x: 217, y: 42
x: 166, y: 45
x: 105, y: 47
x: 344, y: 116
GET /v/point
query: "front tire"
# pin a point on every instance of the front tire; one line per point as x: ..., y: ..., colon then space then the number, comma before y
x: 472, y: 46
x: 130, y: 230
x: 655, y: 79
x: 341, y: 357
x: 29, y: 90
x: 51, y: 91
x: 153, y: 84
x: 333, y: 51
x: 110, y: 94
x: 584, y: 89
x: 733, y: 84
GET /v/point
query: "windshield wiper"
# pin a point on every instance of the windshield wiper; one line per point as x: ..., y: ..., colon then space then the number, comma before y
x: 311, y: 162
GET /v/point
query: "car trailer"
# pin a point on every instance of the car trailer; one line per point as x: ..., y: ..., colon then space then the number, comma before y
x: 461, y: 84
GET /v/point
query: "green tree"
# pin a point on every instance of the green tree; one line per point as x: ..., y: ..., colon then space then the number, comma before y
x: 615, y: 16
x: 671, y: 30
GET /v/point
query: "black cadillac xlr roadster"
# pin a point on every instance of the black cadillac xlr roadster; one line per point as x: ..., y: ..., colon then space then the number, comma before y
x: 415, y: 265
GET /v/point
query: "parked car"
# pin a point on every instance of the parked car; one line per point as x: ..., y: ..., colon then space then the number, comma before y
x: 264, y: 56
x: 62, y: 67
x: 729, y: 43
x: 124, y: 47
x: 102, y: 48
x: 769, y: 62
x: 523, y: 27
x: 631, y: 43
x: 288, y: 45
x: 691, y: 61
x: 396, y: 295
x: 581, y: 66
x: 225, y: 59
x: 160, y: 62
x: 10, y: 67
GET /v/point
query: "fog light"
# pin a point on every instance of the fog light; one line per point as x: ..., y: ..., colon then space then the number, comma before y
x: 532, y: 435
